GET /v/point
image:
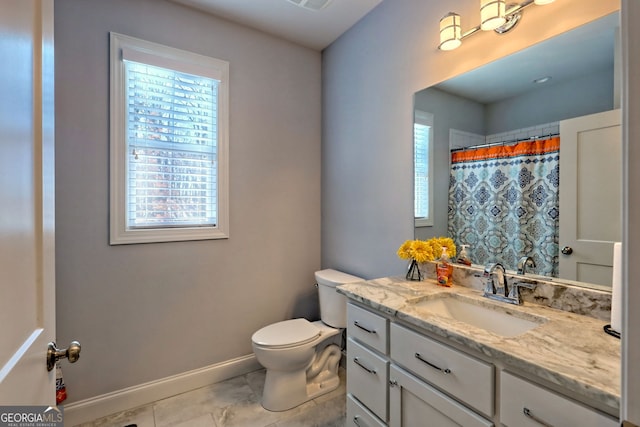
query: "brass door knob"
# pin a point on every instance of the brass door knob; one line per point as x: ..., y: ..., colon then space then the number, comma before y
x: 54, y: 354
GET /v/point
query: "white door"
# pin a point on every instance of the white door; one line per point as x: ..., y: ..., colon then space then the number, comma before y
x: 590, y: 196
x: 27, y: 316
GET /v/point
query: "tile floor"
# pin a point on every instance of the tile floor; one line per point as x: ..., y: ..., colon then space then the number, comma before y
x: 235, y: 402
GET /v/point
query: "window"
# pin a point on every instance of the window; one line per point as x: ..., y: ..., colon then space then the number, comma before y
x: 423, y: 187
x: 168, y: 144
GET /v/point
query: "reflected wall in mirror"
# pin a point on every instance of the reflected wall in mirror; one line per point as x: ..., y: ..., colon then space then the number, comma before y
x: 500, y: 104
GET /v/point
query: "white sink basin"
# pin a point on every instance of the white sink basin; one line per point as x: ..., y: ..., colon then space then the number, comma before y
x: 506, y: 323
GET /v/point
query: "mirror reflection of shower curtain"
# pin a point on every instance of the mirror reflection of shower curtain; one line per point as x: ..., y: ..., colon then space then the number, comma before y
x: 503, y: 202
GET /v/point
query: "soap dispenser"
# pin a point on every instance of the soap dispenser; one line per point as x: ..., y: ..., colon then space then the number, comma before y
x: 444, y: 269
x: 463, y: 258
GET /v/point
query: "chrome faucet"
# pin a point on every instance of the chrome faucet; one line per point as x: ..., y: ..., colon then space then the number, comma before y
x: 496, y: 281
x: 524, y: 263
x: 497, y: 288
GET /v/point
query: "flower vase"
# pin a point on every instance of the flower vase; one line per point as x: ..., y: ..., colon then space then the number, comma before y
x: 414, y: 272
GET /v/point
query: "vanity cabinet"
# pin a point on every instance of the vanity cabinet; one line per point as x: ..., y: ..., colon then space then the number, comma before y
x: 392, y: 371
x: 524, y: 404
x: 399, y: 377
x: 414, y: 403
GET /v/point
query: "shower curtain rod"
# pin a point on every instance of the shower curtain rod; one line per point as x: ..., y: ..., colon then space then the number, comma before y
x: 507, y: 142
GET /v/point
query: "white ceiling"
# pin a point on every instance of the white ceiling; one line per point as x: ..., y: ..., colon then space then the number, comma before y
x: 314, y: 29
x: 587, y: 48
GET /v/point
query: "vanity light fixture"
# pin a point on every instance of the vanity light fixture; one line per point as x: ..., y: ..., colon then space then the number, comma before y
x: 450, y: 32
x: 495, y: 15
x: 492, y: 14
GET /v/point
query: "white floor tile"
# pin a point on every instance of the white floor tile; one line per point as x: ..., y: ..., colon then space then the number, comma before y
x: 232, y: 403
x: 141, y: 417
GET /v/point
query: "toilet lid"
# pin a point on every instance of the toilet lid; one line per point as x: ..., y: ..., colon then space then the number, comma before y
x: 286, y: 333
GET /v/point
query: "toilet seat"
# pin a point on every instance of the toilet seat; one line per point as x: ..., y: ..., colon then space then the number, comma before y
x: 288, y: 333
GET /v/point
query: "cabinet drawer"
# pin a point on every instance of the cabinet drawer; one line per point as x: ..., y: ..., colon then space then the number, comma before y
x: 367, y: 327
x: 468, y: 379
x: 359, y: 416
x: 519, y: 397
x: 413, y: 402
x: 367, y: 378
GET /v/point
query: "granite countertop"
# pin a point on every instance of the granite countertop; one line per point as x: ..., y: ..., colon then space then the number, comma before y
x: 569, y: 350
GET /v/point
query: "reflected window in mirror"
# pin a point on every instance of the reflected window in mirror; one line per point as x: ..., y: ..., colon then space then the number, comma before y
x: 499, y: 99
x: 423, y: 170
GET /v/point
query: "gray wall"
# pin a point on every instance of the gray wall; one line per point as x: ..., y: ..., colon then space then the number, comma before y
x: 144, y: 312
x: 369, y: 78
x: 591, y: 93
x: 449, y: 112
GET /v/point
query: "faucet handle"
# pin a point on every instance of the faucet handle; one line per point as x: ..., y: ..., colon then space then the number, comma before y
x: 524, y: 263
x: 489, y: 287
x: 514, y: 293
x: 488, y: 268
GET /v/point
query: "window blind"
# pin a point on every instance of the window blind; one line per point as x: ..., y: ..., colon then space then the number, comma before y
x: 171, y: 147
x: 421, y: 169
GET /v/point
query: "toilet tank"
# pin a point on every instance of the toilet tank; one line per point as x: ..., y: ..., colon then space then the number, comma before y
x: 333, y: 306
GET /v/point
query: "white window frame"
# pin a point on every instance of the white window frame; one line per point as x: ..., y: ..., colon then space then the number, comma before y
x: 179, y: 60
x: 425, y: 119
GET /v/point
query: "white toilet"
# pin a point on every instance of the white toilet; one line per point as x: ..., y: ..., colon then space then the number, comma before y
x: 299, y: 367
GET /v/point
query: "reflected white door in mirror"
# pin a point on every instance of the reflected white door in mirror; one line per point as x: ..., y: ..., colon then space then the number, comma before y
x: 591, y: 188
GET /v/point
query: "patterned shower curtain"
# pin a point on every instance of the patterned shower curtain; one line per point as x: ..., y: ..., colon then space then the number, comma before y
x: 503, y: 203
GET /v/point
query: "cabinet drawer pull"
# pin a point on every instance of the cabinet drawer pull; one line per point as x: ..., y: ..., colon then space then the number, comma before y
x: 528, y: 413
x: 444, y: 371
x: 359, y: 363
x: 370, y: 331
x: 357, y: 421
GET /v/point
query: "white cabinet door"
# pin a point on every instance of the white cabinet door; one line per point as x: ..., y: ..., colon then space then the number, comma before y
x: 413, y: 403
x: 523, y: 404
x: 591, y: 195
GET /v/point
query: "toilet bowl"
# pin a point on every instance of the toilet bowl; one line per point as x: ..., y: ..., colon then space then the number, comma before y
x: 300, y: 358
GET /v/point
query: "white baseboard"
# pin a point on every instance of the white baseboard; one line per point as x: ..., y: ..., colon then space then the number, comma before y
x: 132, y: 397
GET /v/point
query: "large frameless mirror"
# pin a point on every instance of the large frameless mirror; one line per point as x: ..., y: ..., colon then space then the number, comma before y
x: 521, y: 157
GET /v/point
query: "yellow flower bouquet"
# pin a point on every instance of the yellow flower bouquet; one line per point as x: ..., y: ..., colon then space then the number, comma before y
x: 421, y: 251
